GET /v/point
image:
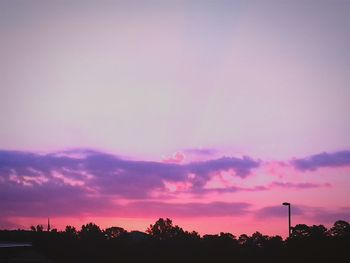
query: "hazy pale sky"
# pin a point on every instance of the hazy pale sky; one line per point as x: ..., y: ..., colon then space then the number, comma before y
x: 267, y: 78
x: 183, y: 82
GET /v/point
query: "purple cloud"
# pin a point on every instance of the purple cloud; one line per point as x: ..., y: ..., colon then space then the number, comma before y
x: 42, y: 184
x: 242, y: 167
x: 51, y: 198
x: 111, y: 175
x: 277, y: 211
x: 313, y: 214
x: 314, y: 162
x: 329, y: 215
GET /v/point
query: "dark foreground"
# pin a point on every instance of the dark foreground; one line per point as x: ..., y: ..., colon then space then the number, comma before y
x: 164, y: 242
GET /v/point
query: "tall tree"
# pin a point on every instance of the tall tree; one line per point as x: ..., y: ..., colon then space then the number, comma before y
x: 164, y: 229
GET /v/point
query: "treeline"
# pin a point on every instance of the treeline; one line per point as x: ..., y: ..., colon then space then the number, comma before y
x: 165, y: 242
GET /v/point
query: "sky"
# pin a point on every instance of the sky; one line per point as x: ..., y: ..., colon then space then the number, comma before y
x: 211, y: 113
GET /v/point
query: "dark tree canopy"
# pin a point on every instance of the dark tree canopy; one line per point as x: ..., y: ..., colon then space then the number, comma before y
x: 340, y: 229
x: 38, y: 228
x: 90, y: 231
x: 71, y: 232
x: 301, y: 231
x: 166, y: 242
x: 164, y: 229
x: 114, y: 232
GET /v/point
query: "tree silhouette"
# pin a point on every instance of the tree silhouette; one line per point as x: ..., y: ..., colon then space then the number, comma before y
x: 275, y: 241
x: 91, y: 244
x: 164, y: 229
x: 301, y: 231
x: 243, y: 239
x: 227, y: 236
x: 71, y: 232
x: 258, y: 239
x: 114, y: 232
x: 340, y: 229
x: 90, y: 231
x: 318, y: 232
x: 38, y: 228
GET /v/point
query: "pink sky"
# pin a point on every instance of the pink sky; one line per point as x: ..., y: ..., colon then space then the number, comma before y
x: 211, y: 113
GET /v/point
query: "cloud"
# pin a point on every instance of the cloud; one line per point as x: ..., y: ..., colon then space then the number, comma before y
x: 315, y: 215
x: 52, y: 198
x: 328, y: 215
x: 177, y: 157
x: 204, y: 170
x: 313, y: 162
x: 87, y: 181
x: 110, y: 174
x: 277, y: 211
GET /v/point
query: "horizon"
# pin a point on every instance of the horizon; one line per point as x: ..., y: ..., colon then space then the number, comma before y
x: 209, y: 113
x: 326, y: 232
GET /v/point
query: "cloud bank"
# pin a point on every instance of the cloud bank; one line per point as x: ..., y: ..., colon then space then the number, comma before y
x: 41, y: 184
x: 313, y: 162
x: 89, y: 183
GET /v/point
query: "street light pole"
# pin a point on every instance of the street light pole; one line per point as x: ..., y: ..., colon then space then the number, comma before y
x: 289, y: 219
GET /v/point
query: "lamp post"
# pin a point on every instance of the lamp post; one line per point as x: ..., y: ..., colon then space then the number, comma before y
x: 289, y: 218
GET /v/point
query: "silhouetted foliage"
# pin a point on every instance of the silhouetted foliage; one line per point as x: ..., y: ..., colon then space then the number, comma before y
x: 317, y: 232
x: 340, y: 229
x: 301, y: 231
x: 71, y: 232
x: 114, y: 232
x: 166, y: 242
x: 258, y: 239
x: 164, y: 229
x: 91, y: 231
x: 243, y: 239
x: 227, y: 236
x: 38, y: 228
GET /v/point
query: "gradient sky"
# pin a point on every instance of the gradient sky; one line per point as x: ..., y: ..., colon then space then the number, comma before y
x: 211, y: 113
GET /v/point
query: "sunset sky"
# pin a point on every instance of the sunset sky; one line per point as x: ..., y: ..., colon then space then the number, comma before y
x: 211, y: 113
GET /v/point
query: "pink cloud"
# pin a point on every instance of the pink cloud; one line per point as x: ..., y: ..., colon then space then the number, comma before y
x: 177, y: 158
